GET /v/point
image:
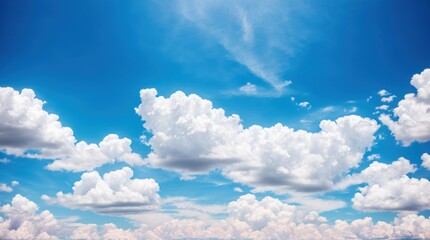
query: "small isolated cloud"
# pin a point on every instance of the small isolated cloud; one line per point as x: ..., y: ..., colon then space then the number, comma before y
x: 238, y: 189
x: 304, y: 104
x: 388, y: 99
x: 4, y: 160
x: 382, y: 107
x: 373, y: 157
x: 113, y: 194
x: 27, y: 126
x: 412, y: 113
x: 191, y: 137
x: 15, y: 183
x: 351, y: 110
x: 369, y: 98
x: 383, y: 92
x: 5, y: 188
x: 426, y: 160
x: 248, y: 89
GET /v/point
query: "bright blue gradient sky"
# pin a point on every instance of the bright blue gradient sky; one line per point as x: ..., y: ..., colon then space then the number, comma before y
x: 290, y: 62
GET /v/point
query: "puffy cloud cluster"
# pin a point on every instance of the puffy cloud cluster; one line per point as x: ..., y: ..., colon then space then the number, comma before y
x: 114, y: 194
x: 26, y: 129
x: 412, y: 113
x: 191, y: 137
x: 426, y: 160
x: 248, y: 218
x: 89, y: 156
x: 389, y: 188
x: 24, y: 223
x: 271, y: 219
x: 5, y: 188
x: 25, y: 125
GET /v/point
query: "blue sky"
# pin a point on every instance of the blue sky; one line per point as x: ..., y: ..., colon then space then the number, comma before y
x: 187, y: 96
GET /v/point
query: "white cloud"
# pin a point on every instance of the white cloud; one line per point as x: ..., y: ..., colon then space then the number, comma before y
x: 388, y: 99
x: 304, y: 104
x: 182, y: 207
x: 89, y: 156
x: 248, y: 218
x: 242, y: 31
x: 24, y: 223
x: 426, y: 160
x: 413, y: 123
x: 373, y: 157
x: 192, y: 137
x: 383, y: 92
x: 404, y: 194
x: 113, y: 194
x: 27, y: 126
x: 238, y: 189
x: 389, y: 188
x: 5, y: 188
x: 248, y: 89
x: 5, y: 161
x: 382, y: 107
x: 15, y: 183
x: 378, y: 173
x: 85, y: 231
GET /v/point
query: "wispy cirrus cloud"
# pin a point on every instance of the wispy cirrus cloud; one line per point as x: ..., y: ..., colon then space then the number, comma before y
x: 260, y: 36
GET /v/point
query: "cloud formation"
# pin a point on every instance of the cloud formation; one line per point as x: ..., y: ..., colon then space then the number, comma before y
x: 113, y: 194
x: 190, y: 137
x: 389, y: 188
x: 248, y: 218
x: 426, y: 160
x: 23, y: 221
x: 27, y: 130
x: 412, y: 115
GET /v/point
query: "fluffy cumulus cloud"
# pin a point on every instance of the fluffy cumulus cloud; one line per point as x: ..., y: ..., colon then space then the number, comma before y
x: 23, y: 221
x: 426, y: 160
x: 114, y: 194
x: 25, y: 125
x: 5, y: 188
x: 411, y: 120
x: 89, y: 156
x: 28, y: 130
x: 190, y: 136
x: 389, y: 188
x: 248, y: 218
x: 273, y: 220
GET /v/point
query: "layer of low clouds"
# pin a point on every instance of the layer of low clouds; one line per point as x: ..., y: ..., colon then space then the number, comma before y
x: 248, y: 218
x: 191, y: 137
x: 411, y: 121
x: 27, y: 130
x: 113, y: 194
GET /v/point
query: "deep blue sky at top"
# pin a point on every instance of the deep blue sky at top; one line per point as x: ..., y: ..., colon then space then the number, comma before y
x: 85, y: 57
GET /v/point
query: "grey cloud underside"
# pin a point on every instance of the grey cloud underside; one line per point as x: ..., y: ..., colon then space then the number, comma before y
x: 21, y: 137
x: 201, y: 164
